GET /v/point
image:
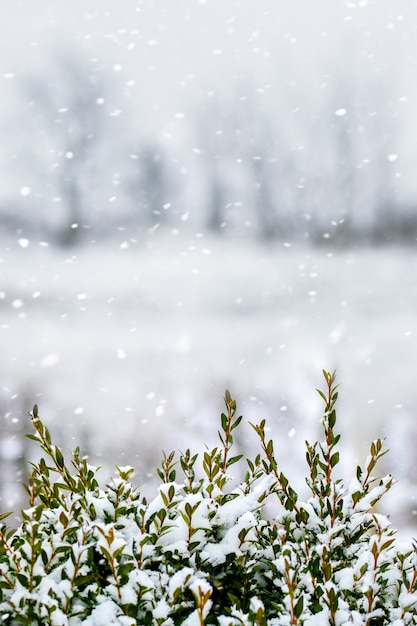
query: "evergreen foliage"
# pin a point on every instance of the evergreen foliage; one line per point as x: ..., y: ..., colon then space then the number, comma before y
x: 201, y: 551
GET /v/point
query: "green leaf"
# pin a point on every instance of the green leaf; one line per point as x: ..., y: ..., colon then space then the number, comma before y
x: 59, y: 458
x: 332, y: 419
x: 283, y: 480
x: 334, y: 459
x: 33, y: 438
x: 234, y: 459
x: 106, y: 553
x: 188, y: 509
x: 63, y: 519
x: 236, y: 422
x: 298, y: 609
x: 322, y: 395
x: 289, y: 504
x: 118, y: 551
x: 47, y: 435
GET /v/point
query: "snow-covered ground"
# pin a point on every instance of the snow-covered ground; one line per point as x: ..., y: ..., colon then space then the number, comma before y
x: 127, y: 347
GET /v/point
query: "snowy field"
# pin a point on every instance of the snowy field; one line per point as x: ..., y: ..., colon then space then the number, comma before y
x: 128, y: 347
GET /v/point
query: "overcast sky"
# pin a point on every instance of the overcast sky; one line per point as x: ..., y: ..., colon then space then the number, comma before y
x: 166, y: 52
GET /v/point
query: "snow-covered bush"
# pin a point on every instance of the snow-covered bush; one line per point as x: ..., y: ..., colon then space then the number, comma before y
x: 202, y: 552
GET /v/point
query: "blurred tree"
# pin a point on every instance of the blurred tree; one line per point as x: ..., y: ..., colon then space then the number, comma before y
x: 301, y: 165
x: 248, y: 166
x: 353, y: 134
x: 265, y: 149
x: 216, y: 137
x: 66, y: 126
x: 149, y: 186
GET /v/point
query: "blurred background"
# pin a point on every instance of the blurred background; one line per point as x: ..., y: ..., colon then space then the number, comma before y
x: 201, y: 195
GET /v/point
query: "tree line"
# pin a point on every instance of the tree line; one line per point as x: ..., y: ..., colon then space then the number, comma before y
x: 279, y: 168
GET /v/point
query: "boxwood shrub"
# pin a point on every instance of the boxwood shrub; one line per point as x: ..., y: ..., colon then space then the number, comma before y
x: 202, y: 550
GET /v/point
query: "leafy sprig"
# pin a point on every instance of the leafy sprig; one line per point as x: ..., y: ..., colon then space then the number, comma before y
x: 203, y: 551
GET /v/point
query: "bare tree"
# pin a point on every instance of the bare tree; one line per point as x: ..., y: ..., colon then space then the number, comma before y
x: 217, y: 140
x: 68, y: 118
x: 149, y: 187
